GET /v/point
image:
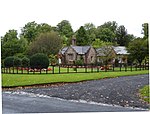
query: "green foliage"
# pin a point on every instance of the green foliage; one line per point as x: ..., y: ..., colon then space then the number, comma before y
x: 81, y: 37
x: 65, y: 29
x: 145, y: 30
x: 9, y: 61
x: 91, y: 31
x: 79, y: 62
x: 17, y: 62
x: 106, y: 35
x: 53, y: 59
x: 48, y: 43
x: 121, y: 35
x: 39, y: 61
x: 29, y: 31
x: 25, y: 62
x: 10, y: 35
x: 138, y: 49
x: 144, y: 92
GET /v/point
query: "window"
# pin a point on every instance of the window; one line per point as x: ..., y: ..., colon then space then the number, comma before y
x: 70, y: 56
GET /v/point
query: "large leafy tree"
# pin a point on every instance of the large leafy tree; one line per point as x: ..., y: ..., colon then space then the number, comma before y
x: 81, y: 37
x: 11, y: 45
x: 30, y: 31
x: 10, y: 35
x: 138, y: 49
x: 121, y: 35
x: 106, y: 35
x: 107, y: 31
x: 65, y: 30
x: 48, y: 43
x: 91, y: 31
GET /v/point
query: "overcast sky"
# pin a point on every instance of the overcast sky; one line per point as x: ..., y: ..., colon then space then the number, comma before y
x: 14, y: 14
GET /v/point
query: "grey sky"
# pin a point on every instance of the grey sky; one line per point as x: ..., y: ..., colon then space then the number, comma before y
x: 130, y: 13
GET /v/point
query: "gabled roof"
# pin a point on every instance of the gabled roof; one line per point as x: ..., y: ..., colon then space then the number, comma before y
x: 120, y: 50
x: 78, y: 49
x: 103, y: 51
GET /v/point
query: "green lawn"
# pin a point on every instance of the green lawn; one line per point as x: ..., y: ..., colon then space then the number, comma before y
x: 9, y: 80
x: 144, y: 92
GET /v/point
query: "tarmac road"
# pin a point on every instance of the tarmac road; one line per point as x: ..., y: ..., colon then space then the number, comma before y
x: 31, y: 103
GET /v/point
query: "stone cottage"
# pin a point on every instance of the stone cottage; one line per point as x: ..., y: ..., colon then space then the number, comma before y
x: 112, y: 54
x: 70, y: 54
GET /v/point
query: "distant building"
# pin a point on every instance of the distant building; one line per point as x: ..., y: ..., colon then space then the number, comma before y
x: 112, y: 54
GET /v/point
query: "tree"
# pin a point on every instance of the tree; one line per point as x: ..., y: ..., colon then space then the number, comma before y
x: 43, y: 28
x: 107, y: 31
x: 65, y: 30
x: 30, y: 31
x: 121, y: 35
x: 48, y: 43
x: 10, y: 35
x: 138, y: 49
x: 145, y: 30
x: 106, y: 35
x: 81, y: 37
x: 91, y: 31
x: 9, y: 61
x: 25, y: 62
x: 39, y: 61
x: 13, y: 47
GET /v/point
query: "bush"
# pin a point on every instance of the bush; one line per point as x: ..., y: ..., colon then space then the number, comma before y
x: 17, y: 61
x: 25, y: 62
x: 79, y: 62
x: 9, y: 61
x: 39, y: 61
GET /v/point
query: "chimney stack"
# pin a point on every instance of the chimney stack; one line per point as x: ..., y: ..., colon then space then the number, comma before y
x: 73, y: 41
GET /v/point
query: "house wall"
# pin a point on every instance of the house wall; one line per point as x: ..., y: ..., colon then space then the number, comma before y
x: 70, y: 51
x: 90, y: 57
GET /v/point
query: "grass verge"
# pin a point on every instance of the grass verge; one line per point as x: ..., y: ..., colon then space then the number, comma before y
x: 144, y: 93
x: 14, y: 80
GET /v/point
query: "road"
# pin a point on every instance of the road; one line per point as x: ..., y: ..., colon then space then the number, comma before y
x: 115, y: 94
x: 30, y: 103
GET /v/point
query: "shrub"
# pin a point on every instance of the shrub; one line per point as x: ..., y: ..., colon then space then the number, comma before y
x: 79, y: 62
x: 17, y: 61
x: 25, y: 62
x: 39, y: 61
x: 9, y: 61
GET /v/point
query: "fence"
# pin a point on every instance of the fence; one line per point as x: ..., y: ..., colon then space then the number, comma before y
x: 90, y: 68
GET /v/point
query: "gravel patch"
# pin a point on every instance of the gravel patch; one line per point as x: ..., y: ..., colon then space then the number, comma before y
x: 122, y: 91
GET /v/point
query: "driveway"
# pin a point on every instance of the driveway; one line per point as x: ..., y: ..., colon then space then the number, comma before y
x: 122, y: 91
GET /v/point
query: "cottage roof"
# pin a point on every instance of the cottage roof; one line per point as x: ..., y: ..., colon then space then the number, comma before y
x: 103, y: 51
x: 81, y: 49
x: 120, y: 50
x: 78, y: 49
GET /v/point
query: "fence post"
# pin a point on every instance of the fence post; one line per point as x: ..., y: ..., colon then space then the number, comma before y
x: 67, y: 68
x: 113, y: 67
x: 125, y: 67
x: 76, y: 69
x: 85, y: 68
x: 59, y: 68
x: 120, y: 66
x: 131, y: 67
x: 91, y: 67
x: 97, y: 68
x: 53, y: 69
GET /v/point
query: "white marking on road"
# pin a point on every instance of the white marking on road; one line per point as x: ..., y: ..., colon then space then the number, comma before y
x: 78, y: 101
